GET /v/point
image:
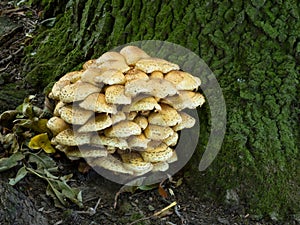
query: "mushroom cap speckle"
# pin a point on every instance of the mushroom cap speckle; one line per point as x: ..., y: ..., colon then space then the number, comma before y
x: 96, y: 102
x: 142, y: 104
x: 136, y: 74
x: 172, y: 140
x: 158, y: 154
x: 138, y: 141
x: 101, y: 140
x: 149, y: 65
x: 57, y: 125
x: 74, y: 115
x: 69, y: 138
x: 133, y: 161
x: 156, y: 132
x: 142, y: 121
x: 99, y: 122
x: 123, y: 129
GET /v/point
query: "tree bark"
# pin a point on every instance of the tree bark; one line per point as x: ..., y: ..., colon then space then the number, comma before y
x: 253, y: 49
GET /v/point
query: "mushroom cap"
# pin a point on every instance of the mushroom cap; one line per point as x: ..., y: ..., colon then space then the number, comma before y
x: 133, y: 54
x: 84, y: 152
x: 158, y: 154
x: 89, y: 63
x: 172, y: 140
x: 123, y: 129
x: 118, y: 117
x: 119, y: 65
x: 107, y: 56
x: 77, y: 91
x: 185, y: 99
x: 167, y: 116
x: 142, y: 121
x: 133, y: 161
x: 136, y: 74
x: 156, y: 75
x: 74, y: 115
x: 110, y: 77
x: 115, y: 94
x: 69, y: 138
x: 90, y: 74
x: 57, y: 125
x: 138, y: 141
x: 160, y: 166
x: 183, y: 80
x: 99, y: 122
x: 101, y: 140
x: 96, y: 102
x: 149, y: 65
x: 144, y: 104
x: 110, y: 163
x: 156, y: 132
x: 137, y: 86
x: 161, y: 88
x: 173, y: 158
x: 130, y: 115
x: 59, y: 104
x: 186, y: 122
x: 73, y: 76
x: 57, y: 87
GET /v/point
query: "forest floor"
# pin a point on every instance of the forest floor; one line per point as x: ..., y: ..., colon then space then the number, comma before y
x: 132, y: 208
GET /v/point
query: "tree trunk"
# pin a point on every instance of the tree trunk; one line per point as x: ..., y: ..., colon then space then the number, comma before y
x: 253, y: 49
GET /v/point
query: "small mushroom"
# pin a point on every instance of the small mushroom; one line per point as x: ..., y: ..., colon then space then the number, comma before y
x: 115, y: 94
x: 73, y: 76
x: 57, y: 87
x: 144, y: 104
x: 114, y: 64
x: 57, y: 125
x: 101, y: 140
x: 133, y: 161
x: 157, y: 75
x: 110, y: 77
x: 69, y: 138
x: 156, y: 132
x: 110, y: 163
x: 173, y: 158
x: 133, y: 54
x: 96, y: 102
x: 107, y: 56
x: 131, y: 115
x: 160, y: 166
x: 84, y: 152
x: 137, y: 86
x: 59, y: 104
x: 123, y: 129
x: 77, y: 91
x: 149, y: 65
x: 74, y: 115
x: 138, y: 141
x: 171, y: 140
x: 183, y: 80
x: 158, y: 154
x: 118, y: 117
x: 187, y: 122
x: 161, y: 88
x: 167, y: 116
x: 90, y: 74
x: 141, y: 121
x: 99, y: 122
x: 136, y: 74
x: 89, y: 63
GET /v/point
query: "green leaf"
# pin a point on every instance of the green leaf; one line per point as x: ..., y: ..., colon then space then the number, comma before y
x: 7, y: 163
x: 42, y: 161
x: 20, y: 175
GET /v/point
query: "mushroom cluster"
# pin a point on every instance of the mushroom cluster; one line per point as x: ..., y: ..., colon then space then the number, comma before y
x: 123, y: 111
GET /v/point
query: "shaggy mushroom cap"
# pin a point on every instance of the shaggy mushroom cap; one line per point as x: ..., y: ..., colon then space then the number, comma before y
x: 142, y: 121
x: 144, y: 104
x: 96, y: 102
x: 69, y: 138
x: 57, y: 125
x: 119, y: 65
x: 133, y: 54
x: 155, y: 132
x: 96, y: 123
x: 135, y: 74
x: 138, y: 142
x: 158, y: 154
x: 74, y: 115
x: 123, y: 129
x: 101, y: 140
x: 107, y: 56
x: 183, y: 80
x: 167, y: 116
x: 84, y: 152
x: 172, y: 140
x: 160, y: 166
x: 133, y: 161
x: 186, y: 122
x: 149, y: 65
x: 115, y: 94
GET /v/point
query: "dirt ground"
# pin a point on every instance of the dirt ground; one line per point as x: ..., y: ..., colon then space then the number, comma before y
x: 131, y: 207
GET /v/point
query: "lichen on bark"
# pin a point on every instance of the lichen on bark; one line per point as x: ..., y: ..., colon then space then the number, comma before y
x: 252, y: 48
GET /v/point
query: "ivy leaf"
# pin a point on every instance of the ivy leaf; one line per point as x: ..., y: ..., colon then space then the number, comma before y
x: 7, y: 163
x: 20, y: 175
x: 41, y: 141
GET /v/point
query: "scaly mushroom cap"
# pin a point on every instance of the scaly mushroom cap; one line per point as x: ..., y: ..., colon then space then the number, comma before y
x: 89, y: 63
x: 101, y: 140
x: 138, y: 141
x: 118, y: 117
x: 57, y: 125
x: 69, y: 138
x: 158, y: 154
x: 160, y: 166
x: 141, y: 121
x: 137, y: 86
x: 114, y: 64
x: 123, y: 129
x: 73, y: 76
x: 149, y: 65
x: 144, y: 104
x: 96, y: 102
x: 74, y: 115
x: 156, y: 75
x: 156, y: 132
x: 130, y: 115
x: 173, y: 158
x: 133, y: 54
x: 84, y: 152
x: 172, y: 140
x: 185, y: 99
x: 167, y: 116
x: 99, y: 122
x: 133, y: 161
x: 136, y: 74
x: 90, y: 74
x: 57, y: 87
x: 107, y: 56
x: 115, y: 94
x: 183, y: 80
x: 161, y: 88
x: 110, y: 77
x: 77, y: 91
x: 57, y: 108
x: 187, y: 122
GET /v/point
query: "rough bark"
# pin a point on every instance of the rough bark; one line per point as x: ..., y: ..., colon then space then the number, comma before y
x: 253, y: 49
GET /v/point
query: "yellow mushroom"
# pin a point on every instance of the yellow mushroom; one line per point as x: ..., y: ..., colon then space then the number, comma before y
x: 133, y: 161
x: 74, y: 115
x: 156, y: 132
x: 142, y: 121
x: 136, y: 74
x: 101, y: 140
x: 172, y: 140
x: 110, y: 77
x: 99, y: 122
x: 158, y: 154
x: 115, y: 94
x: 96, y: 102
x: 123, y: 129
x: 183, y: 80
x: 132, y: 54
x: 69, y: 138
x: 107, y: 56
x: 187, y: 122
x: 57, y: 125
x: 167, y: 116
x: 138, y: 141
x: 142, y: 104
x: 149, y: 65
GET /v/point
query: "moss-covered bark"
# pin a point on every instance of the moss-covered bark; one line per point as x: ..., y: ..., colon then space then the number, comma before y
x: 252, y: 47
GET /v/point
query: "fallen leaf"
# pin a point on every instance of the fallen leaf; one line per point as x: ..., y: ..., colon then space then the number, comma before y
x: 20, y: 175
x: 41, y: 141
x: 10, y: 162
x: 162, y: 192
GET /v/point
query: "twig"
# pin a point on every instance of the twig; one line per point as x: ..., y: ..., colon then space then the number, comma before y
x: 91, y: 211
x: 183, y: 220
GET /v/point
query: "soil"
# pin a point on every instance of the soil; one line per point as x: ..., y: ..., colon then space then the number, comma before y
x: 131, y: 207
